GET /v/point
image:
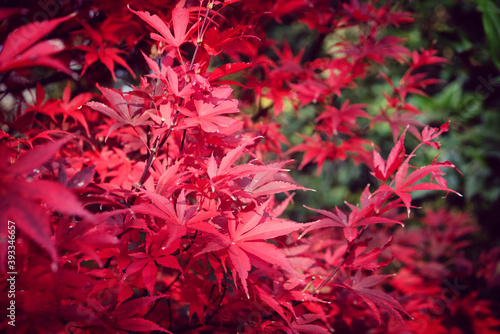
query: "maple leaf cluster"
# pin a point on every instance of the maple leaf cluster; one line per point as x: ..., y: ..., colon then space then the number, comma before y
x: 159, y: 206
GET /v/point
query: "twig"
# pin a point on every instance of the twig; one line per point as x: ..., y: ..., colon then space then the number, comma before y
x: 157, y: 143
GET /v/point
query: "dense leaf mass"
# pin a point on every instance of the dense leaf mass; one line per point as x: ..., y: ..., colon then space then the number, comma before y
x: 158, y: 205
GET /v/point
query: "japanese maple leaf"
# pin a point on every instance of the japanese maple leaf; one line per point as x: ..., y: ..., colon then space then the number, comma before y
x: 245, y: 244
x: 88, y: 237
x: 170, y: 179
x: 22, y: 50
x: 384, y: 170
x: 208, y: 116
x: 288, y: 62
x: 263, y: 177
x: 65, y: 106
x: 265, y: 182
x: 71, y: 107
x: 404, y: 183
x: 148, y: 263
x: 177, y: 217
x: 81, y: 179
x: 125, y: 316
x: 281, y: 8
x: 107, y: 55
x: 216, y: 40
x: 110, y: 279
x: 376, y: 50
x: 365, y: 258
x: 49, y: 107
x: 316, y: 150
x: 349, y: 222
x: 399, y: 119
x: 345, y: 116
x: 20, y: 197
x: 275, y: 94
x: 170, y: 78
x: 180, y: 21
x: 126, y: 110
x: 375, y: 298
x: 429, y: 134
x: 227, y: 69
x: 220, y: 173
x: 99, y: 50
x: 426, y: 57
x: 309, y: 91
x: 5, y: 13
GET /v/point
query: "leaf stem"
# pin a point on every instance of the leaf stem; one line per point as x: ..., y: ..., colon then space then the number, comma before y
x: 157, y: 144
x: 344, y: 258
x: 200, y: 38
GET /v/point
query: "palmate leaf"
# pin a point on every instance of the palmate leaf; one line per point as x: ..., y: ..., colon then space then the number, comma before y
x: 126, y: 316
x: 177, y: 218
x: 375, y: 298
x: 265, y: 183
x: 429, y: 134
x: 22, y: 50
x: 349, y: 222
x: 209, y: 116
x: 180, y: 21
x: 20, y: 196
x: 246, y: 244
x: 346, y: 115
x: 384, y: 170
x: 107, y: 55
x: 126, y: 110
x: 404, y: 183
x: 227, y: 69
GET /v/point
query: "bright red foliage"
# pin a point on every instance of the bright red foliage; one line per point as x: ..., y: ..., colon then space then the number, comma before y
x: 155, y: 209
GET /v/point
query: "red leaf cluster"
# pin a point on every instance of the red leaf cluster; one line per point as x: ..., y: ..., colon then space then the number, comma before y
x: 160, y: 206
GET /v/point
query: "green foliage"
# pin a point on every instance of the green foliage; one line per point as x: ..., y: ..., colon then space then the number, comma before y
x: 467, y: 33
x: 491, y: 23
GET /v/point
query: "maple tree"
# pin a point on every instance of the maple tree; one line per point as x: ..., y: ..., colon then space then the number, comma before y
x: 155, y: 201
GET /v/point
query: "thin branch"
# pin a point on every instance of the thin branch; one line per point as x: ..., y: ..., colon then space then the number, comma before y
x: 344, y: 258
x: 157, y: 143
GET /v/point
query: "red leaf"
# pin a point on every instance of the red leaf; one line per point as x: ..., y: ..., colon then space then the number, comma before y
x: 383, y: 170
x: 374, y: 298
x: 404, y: 183
x: 38, y: 156
x: 139, y: 325
x: 180, y: 20
x: 340, y: 219
x: 149, y: 276
x: 127, y: 110
x: 107, y: 55
x: 208, y: 116
x: 82, y: 178
x: 20, y: 50
x: 19, y: 199
x: 247, y: 236
x: 345, y: 116
x: 227, y: 69
x: 429, y: 134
